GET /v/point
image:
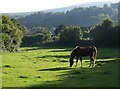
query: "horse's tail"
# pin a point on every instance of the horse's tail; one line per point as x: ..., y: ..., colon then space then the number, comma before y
x: 95, y: 52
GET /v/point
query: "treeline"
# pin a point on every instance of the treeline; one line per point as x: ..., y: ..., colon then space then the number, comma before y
x: 83, y: 17
x: 104, y: 34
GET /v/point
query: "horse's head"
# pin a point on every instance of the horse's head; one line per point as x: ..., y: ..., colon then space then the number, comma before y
x: 72, y: 55
x: 71, y: 61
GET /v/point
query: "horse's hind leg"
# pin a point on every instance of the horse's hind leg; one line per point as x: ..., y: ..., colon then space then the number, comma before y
x: 91, y: 62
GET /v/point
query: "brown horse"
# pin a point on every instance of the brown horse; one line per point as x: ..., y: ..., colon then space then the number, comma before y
x: 83, y: 51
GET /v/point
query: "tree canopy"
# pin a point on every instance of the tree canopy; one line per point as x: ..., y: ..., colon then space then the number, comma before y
x: 70, y: 34
x: 11, y: 34
x: 105, y: 33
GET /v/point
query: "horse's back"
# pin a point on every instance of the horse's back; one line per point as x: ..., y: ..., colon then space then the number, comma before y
x: 85, y: 51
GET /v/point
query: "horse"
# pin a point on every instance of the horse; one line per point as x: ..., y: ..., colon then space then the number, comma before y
x: 79, y: 52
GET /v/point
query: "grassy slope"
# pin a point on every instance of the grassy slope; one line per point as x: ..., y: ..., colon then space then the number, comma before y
x: 40, y: 67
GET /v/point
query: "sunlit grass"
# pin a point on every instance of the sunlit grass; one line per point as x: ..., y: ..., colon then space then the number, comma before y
x: 37, y: 66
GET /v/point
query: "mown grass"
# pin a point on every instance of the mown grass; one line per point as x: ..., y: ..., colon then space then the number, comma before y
x: 49, y: 67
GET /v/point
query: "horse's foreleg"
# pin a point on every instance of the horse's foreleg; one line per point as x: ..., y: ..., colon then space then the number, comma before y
x: 90, y: 64
x: 76, y: 61
x: 81, y: 62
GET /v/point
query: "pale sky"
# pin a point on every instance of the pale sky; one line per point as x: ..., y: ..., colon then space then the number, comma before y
x: 13, y: 6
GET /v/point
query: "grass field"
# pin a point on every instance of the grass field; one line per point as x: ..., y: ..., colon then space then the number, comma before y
x: 49, y: 67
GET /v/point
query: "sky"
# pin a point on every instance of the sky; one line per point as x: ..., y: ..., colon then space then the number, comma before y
x: 14, y: 6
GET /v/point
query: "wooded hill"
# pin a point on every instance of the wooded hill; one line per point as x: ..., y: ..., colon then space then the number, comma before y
x: 82, y: 16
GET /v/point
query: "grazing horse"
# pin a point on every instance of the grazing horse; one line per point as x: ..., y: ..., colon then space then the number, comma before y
x: 83, y: 51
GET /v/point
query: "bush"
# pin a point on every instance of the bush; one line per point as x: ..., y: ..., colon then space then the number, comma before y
x: 70, y: 35
x: 32, y: 40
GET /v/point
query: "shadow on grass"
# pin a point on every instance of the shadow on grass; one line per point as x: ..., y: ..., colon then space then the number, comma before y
x: 103, y: 76
x: 65, y: 50
x: 55, y: 69
x: 56, y: 56
x: 51, y: 47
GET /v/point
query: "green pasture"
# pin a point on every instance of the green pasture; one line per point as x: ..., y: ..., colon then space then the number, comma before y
x: 49, y: 67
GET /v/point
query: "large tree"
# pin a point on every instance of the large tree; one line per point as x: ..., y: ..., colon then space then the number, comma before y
x: 105, y: 34
x: 11, y: 34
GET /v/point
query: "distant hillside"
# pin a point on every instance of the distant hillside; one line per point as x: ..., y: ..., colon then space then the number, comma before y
x: 82, y: 16
x: 64, y: 9
x: 18, y: 15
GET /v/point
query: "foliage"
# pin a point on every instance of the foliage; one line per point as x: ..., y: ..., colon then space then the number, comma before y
x: 70, y: 34
x: 40, y: 30
x: 102, y: 34
x: 11, y: 34
x: 105, y: 34
x: 59, y: 29
x: 31, y: 40
x: 82, y: 16
x: 37, y: 36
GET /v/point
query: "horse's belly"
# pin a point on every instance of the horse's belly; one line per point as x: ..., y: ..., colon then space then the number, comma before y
x: 85, y: 54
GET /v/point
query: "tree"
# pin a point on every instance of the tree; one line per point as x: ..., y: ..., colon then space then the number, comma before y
x: 11, y: 34
x: 70, y: 35
x: 105, y: 6
x: 107, y: 23
x: 59, y: 29
x: 105, y: 34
